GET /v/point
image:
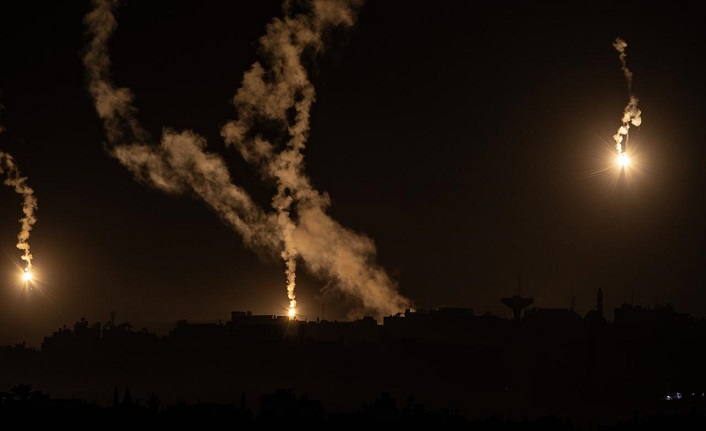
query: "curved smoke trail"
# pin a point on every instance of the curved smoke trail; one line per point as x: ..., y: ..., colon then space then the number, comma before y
x: 179, y: 164
x: 29, y: 202
x: 631, y: 114
x: 276, y: 92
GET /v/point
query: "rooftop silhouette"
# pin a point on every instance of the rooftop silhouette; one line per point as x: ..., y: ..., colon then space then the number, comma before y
x: 549, y: 363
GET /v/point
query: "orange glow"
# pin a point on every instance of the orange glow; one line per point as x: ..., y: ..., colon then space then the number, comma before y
x: 623, y: 160
x: 27, y: 275
x: 292, y: 312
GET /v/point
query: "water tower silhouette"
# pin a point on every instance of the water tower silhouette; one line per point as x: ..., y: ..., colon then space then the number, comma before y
x: 517, y: 303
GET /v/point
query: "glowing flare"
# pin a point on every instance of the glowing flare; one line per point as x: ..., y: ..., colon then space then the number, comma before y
x: 623, y: 160
x: 292, y: 312
x: 27, y: 275
x: 29, y: 205
x: 275, y: 93
x: 631, y: 114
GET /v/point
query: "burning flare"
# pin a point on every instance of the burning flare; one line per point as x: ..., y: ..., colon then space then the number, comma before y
x: 29, y: 205
x: 275, y: 91
x: 27, y: 275
x: 623, y: 160
x: 631, y: 114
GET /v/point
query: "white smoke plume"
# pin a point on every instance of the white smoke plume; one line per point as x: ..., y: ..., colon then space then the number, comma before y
x: 14, y: 179
x: 631, y: 114
x: 180, y: 163
x: 270, y: 131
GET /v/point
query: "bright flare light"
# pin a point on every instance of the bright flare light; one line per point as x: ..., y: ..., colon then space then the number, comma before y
x: 27, y: 275
x: 623, y: 160
x: 292, y: 312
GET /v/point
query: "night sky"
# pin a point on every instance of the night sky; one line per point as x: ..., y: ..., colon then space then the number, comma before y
x: 472, y: 145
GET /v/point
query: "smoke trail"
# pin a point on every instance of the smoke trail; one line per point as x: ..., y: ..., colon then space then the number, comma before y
x: 180, y: 163
x: 29, y: 203
x: 631, y: 114
x: 277, y: 91
x: 271, y: 129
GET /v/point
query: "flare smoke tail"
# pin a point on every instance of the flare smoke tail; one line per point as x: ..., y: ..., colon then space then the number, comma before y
x: 180, y: 164
x: 29, y: 203
x: 275, y: 91
x: 631, y: 114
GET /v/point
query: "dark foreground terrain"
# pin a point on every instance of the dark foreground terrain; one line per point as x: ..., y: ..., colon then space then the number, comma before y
x: 548, y: 371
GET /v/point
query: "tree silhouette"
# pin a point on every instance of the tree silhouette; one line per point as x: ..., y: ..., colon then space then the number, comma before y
x: 127, y: 398
x: 153, y: 401
x: 22, y: 392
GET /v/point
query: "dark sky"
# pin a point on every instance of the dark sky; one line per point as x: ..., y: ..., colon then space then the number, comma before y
x: 473, y: 143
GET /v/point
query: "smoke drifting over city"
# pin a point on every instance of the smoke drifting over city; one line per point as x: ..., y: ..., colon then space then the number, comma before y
x: 270, y: 131
x: 342, y: 159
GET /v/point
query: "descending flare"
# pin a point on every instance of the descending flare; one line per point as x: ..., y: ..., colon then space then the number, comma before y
x: 631, y: 114
x: 29, y: 205
x: 275, y: 91
x: 27, y: 275
x: 623, y: 160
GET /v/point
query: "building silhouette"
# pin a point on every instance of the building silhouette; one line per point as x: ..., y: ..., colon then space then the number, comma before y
x: 550, y: 362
